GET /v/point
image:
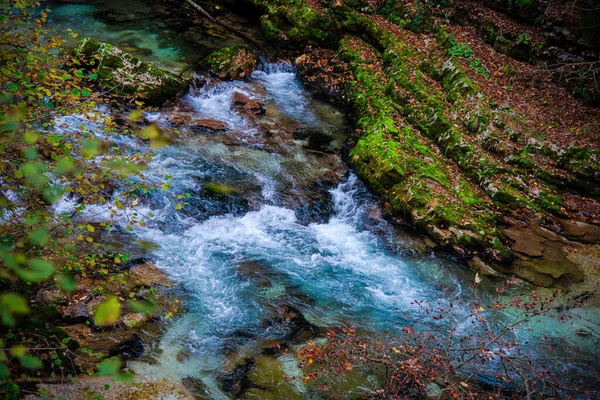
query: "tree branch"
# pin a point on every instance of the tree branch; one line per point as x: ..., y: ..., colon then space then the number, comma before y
x: 216, y: 21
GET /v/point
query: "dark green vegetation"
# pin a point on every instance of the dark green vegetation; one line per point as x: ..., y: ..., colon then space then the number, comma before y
x: 53, y: 271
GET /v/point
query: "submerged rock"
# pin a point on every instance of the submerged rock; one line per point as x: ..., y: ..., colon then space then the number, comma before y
x: 105, y: 388
x: 237, y: 382
x: 270, y: 381
x: 126, y: 75
x: 236, y: 62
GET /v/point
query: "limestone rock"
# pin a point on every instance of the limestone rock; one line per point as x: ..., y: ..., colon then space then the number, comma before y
x: 581, y: 231
x: 484, y: 269
x: 148, y: 274
x: 126, y: 75
x: 525, y: 242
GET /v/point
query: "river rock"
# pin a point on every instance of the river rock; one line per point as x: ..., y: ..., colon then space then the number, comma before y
x: 525, y: 242
x: 299, y: 328
x: 133, y: 319
x: 81, y: 308
x: 209, y: 124
x: 235, y: 62
x: 46, y: 297
x: 240, y: 99
x: 103, y: 387
x: 102, y: 342
x: 237, y: 382
x: 484, y: 269
x: 245, y: 103
x: 148, y: 274
x: 581, y: 231
x: 179, y: 118
x: 269, y: 381
x: 126, y: 75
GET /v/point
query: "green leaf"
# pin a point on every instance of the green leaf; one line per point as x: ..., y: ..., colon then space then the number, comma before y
x: 38, y: 270
x: 4, y: 371
x: 91, y: 147
x: 30, y: 137
x: 18, y: 350
x: 109, y: 367
x: 108, y: 312
x: 66, y: 283
x: 11, y: 303
x: 13, y: 87
x: 30, y: 362
x: 34, y: 171
x: 63, y: 166
x: 39, y: 237
x: 141, y: 306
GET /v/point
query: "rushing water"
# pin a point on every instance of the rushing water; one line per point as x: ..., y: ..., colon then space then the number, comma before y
x: 295, y: 230
x: 243, y: 257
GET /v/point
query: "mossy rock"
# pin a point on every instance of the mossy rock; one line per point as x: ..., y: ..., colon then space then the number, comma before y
x: 270, y: 382
x: 125, y: 75
x: 235, y: 62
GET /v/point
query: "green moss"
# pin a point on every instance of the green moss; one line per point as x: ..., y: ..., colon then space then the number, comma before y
x: 401, y: 165
x: 296, y: 21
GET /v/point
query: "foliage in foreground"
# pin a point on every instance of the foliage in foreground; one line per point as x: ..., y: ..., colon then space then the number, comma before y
x: 48, y: 159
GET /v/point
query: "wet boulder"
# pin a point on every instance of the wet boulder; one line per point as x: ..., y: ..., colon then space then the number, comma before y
x: 208, y: 124
x: 106, y: 342
x: 126, y: 75
x: 270, y: 381
x: 244, y: 103
x: 149, y: 275
x: 235, y: 62
x: 236, y: 381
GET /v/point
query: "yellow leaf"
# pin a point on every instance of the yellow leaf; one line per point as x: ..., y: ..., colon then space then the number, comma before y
x: 108, y: 312
x: 90, y: 228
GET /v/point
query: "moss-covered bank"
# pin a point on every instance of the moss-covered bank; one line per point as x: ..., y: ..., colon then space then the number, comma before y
x: 430, y: 139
